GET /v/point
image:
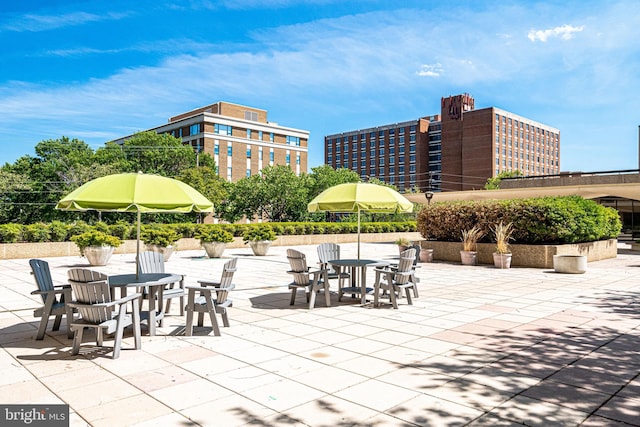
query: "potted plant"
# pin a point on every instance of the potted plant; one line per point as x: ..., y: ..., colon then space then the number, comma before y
x: 96, y: 246
x: 470, y: 237
x: 214, y: 240
x: 502, y: 233
x: 403, y: 244
x: 160, y: 239
x: 259, y: 238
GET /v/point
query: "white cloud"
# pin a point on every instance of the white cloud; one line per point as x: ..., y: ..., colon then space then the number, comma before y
x: 434, y: 70
x: 565, y: 32
x: 34, y: 23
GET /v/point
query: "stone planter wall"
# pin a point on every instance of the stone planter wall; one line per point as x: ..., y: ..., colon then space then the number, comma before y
x: 539, y: 256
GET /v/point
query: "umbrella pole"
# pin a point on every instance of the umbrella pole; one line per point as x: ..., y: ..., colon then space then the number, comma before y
x: 358, y: 233
x: 138, y: 247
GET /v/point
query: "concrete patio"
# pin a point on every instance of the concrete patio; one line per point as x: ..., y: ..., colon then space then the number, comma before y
x: 479, y: 347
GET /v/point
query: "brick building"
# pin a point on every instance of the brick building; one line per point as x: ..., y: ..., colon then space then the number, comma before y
x: 240, y: 139
x: 459, y: 149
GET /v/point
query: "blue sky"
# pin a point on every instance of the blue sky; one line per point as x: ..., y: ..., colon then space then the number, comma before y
x: 98, y: 70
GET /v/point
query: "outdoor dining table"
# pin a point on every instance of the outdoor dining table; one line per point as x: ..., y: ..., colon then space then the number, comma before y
x: 155, y: 283
x: 354, y: 265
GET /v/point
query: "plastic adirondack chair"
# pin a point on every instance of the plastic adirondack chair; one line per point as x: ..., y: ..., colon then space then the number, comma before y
x: 311, y: 280
x: 153, y: 262
x: 213, y: 298
x: 395, y: 280
x: 99, y: 312
x: 54, y: 297
x: 408, y: 253
x: 328, y: 252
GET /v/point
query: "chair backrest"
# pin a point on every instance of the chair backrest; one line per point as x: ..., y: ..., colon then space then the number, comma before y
x: 228, y: 270
x: 42, y: 275
x: 328, y: 252
x: 405, y: 266
x: 418, y: 249
x: 90, y: 293
x: 151, y: 262
x: 85, y: 275
x: 298, y: 263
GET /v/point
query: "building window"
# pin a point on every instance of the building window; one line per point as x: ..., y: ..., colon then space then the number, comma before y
x: 288, y: 159
x: 297, y: 158
x: 293, y: 140
x: 216, y: 149
x: 229, y: 150
x: 271, y: 156
x: 271, y: 137
x: 260, y: 135
x: 248, y: 133
x: 251, y: 115
x: 248, y: 152
x: 194, y: 129
x: 248, y: 172
x: 222, y: 129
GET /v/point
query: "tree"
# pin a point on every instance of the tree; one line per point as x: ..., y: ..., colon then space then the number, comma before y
x: 276, y: 194
x: 60, y: 165
x: 205, y: 179
x: 323, y: 177
x: 149, y: 152
x: 494, y: 183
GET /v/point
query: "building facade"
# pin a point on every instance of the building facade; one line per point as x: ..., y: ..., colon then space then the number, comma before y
x: 240, y: 139
x: 459, y: 149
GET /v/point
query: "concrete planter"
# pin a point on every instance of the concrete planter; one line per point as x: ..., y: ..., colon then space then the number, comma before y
x: 536, y: 256
x: 502, y: 260
x: 166, y: 251
x: 260, y: 248
x: 426, y: 255
x: 214, y: 249
x: 571, y: 264
x: 469, y: 257
x: 98, y: 255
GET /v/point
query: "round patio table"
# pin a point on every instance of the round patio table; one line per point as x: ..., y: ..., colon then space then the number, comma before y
x: 155, y: 283
x: 355, y: 265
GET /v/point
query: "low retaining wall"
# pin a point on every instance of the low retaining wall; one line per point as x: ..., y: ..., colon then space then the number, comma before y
x: 538, y: 256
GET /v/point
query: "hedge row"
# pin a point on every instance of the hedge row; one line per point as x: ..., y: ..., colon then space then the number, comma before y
x: 541, y: 220
x: 57, y: 231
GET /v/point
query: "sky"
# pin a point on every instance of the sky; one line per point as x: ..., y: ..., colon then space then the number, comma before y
x: 100, y: 70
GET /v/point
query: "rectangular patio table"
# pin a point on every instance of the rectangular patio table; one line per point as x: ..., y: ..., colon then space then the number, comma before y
x: 155, y: 283
x: 357, y: 266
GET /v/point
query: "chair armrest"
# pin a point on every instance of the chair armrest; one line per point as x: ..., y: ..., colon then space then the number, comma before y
x: 61, y: 290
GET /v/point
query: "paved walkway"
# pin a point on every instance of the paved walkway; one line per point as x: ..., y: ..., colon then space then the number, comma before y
x: 479, y: 347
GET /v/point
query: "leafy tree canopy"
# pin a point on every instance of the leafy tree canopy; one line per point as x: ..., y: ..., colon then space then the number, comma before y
x: 494, y: 183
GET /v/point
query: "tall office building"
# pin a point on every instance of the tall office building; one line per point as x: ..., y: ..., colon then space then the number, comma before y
x: 459, y: 149
x: 240, y: 139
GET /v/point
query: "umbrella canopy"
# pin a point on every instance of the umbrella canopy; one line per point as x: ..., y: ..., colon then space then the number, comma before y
x: 135, y: 192
x: 354, y: 197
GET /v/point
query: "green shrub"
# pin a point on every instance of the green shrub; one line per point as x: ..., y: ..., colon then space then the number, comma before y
x: 160, y: 235
x: 123, y: 230
x: 38, y: 232
x: 213, y: 233
x: 78, y: 227
x: 95, y: 238
x: 259, y: 233
x: 58, y: 231
x: 10, y: 233
x: 101, y: 226
x: 185, y: 229
x: 543, y: 220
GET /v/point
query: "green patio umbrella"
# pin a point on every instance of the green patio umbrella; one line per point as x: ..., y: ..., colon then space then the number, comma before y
x: 135, y: 192
x: 355, y: 197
